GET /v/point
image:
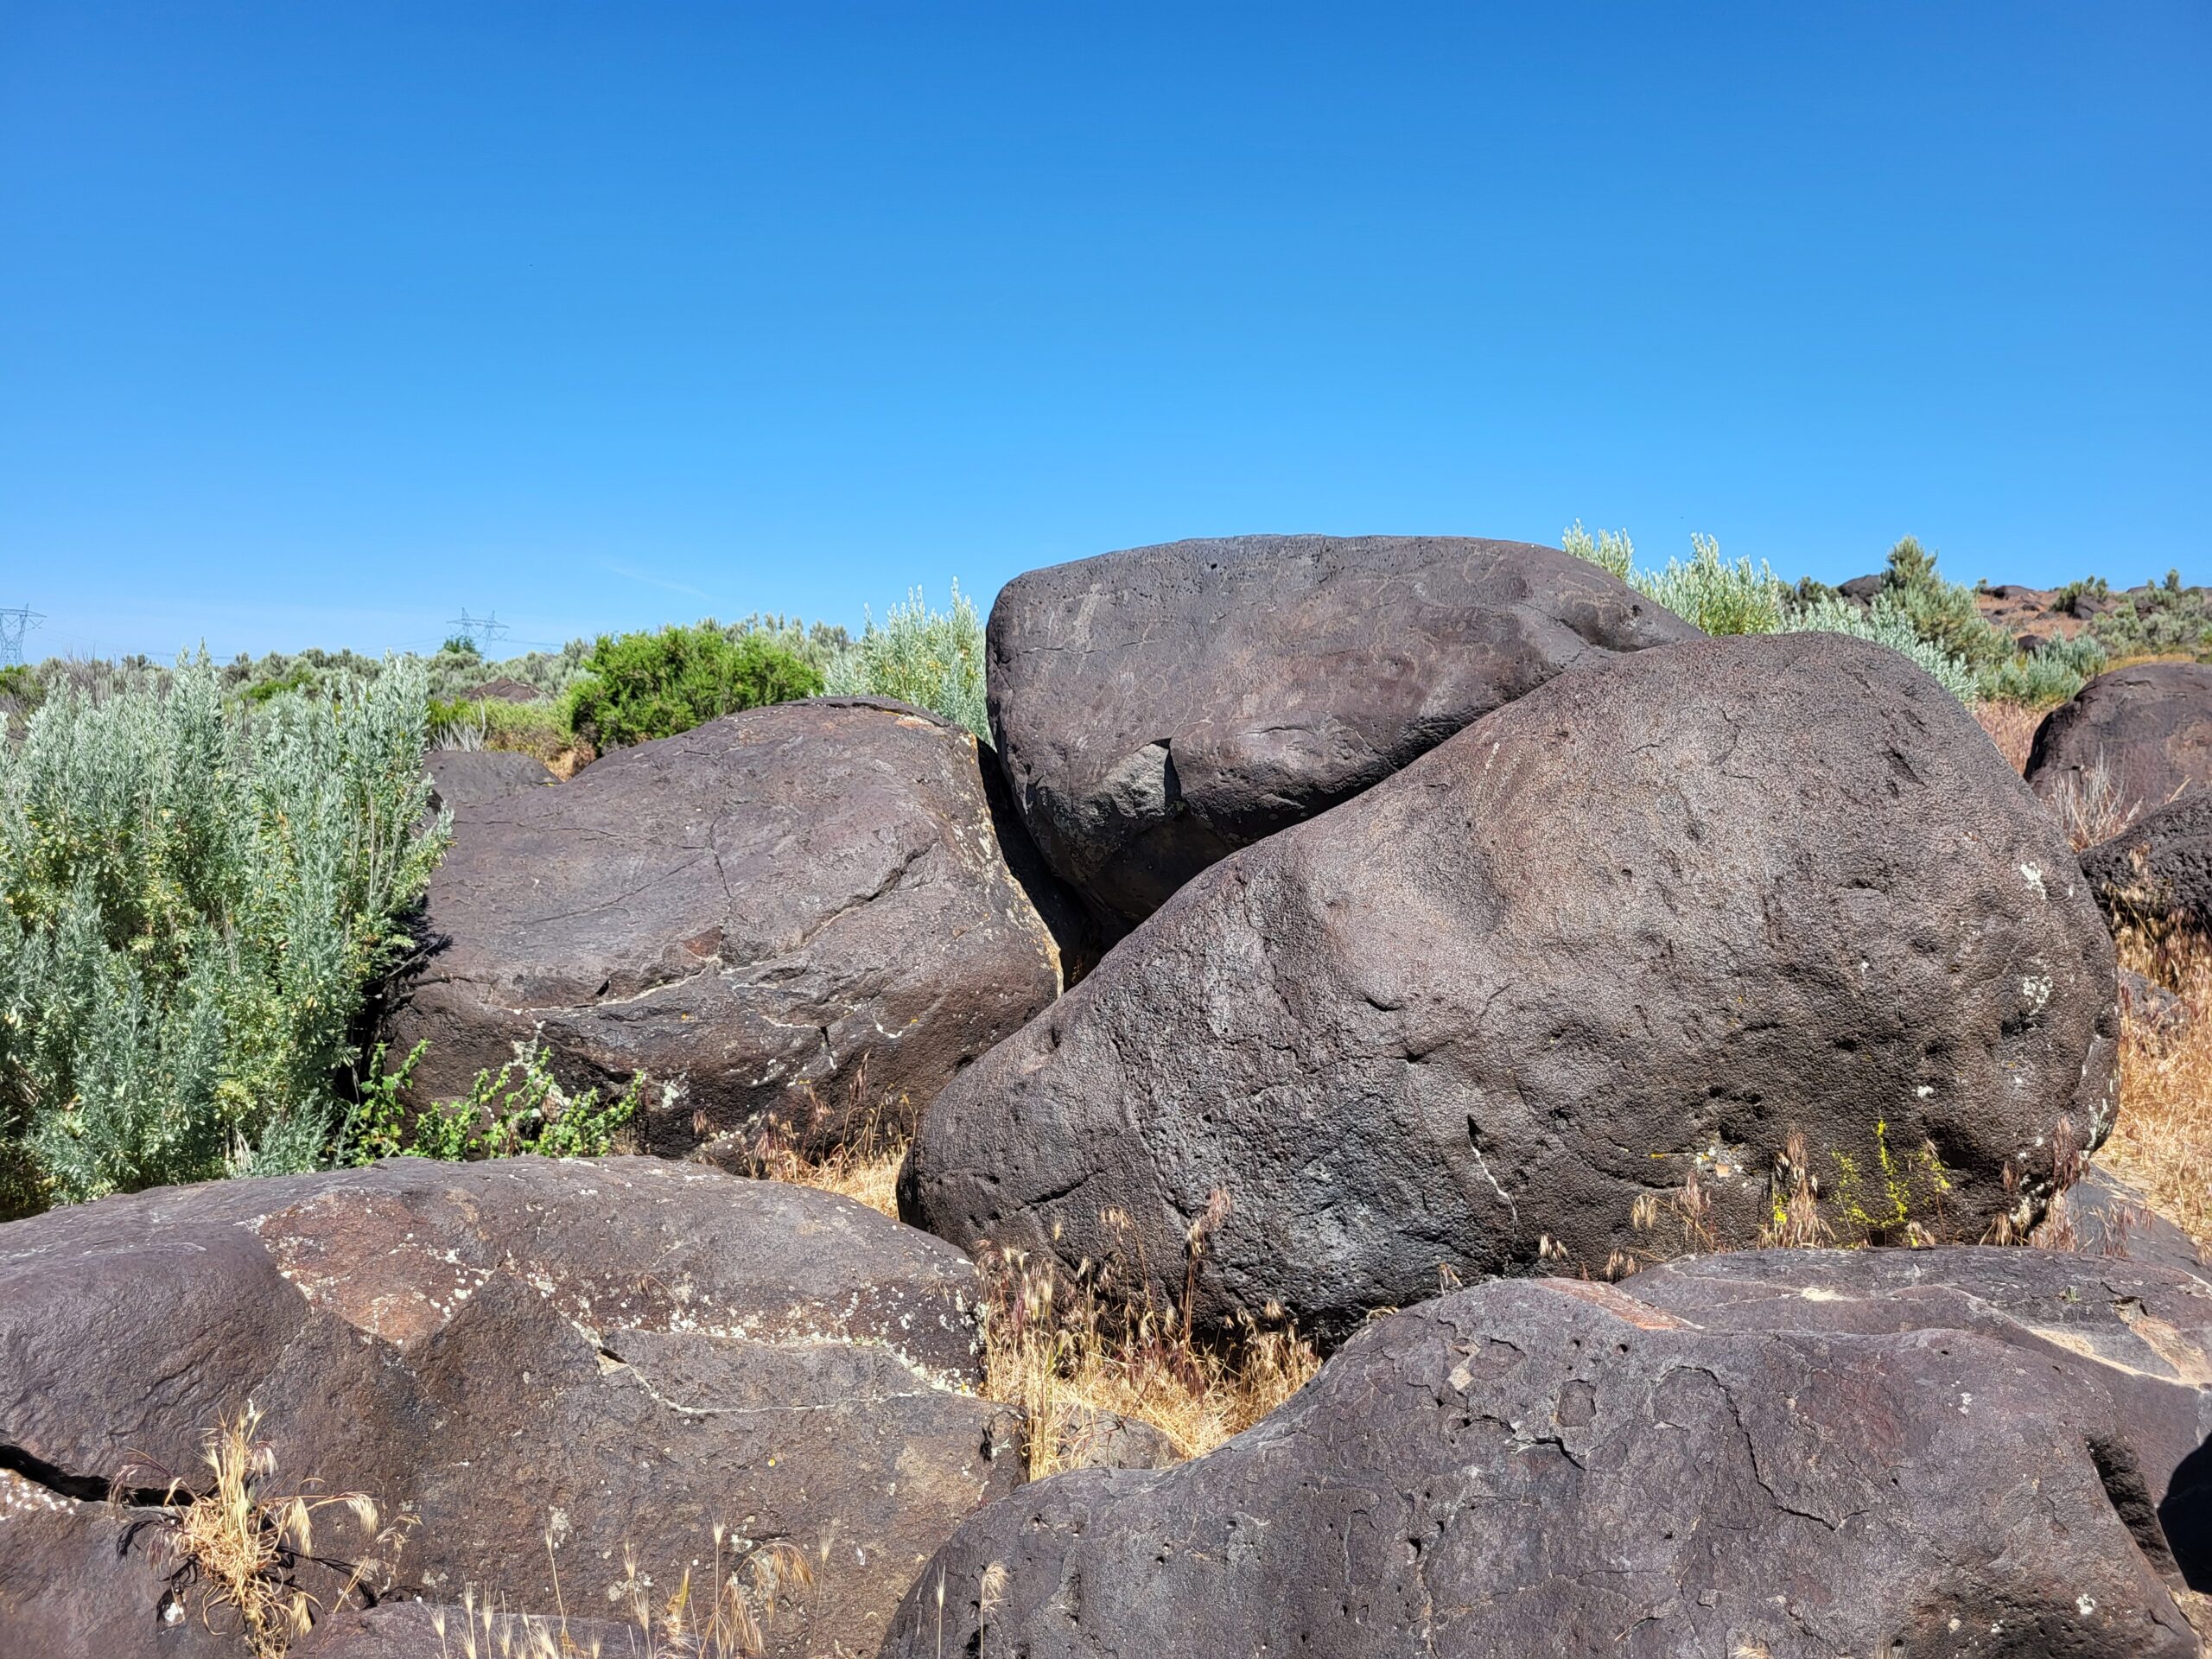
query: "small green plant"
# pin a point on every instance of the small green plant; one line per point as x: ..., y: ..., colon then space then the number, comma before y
x: 518, y: 1109
x: 1608, y: 549
x: 642, y: 686
x: 933, y: 659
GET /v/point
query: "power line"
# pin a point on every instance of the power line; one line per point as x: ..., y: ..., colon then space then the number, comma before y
x: 479, y: 631
x: 14, y: 625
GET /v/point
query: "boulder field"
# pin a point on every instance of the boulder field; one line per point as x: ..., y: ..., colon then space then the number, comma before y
x: 1160, y: 708
x: 1654, y: 919
x: 545, y: 1364
x: 802, y: 915
x: 1496, y: 966
x: 1778, y: 1460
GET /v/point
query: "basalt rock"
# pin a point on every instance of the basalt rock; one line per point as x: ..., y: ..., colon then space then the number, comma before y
x: 464, y: 779
x: 545, y: 1364
x: 801, y: 915
x: 1661, y: 919
x: 1543, y: 1468
x: 1160, y: 708
x: 2159, y: 869
x: 2147, y: 729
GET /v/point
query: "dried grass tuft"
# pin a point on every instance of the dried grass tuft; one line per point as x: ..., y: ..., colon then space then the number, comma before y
x: 240, y: 1548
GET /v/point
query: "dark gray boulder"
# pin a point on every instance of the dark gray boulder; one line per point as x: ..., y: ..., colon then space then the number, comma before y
x: 1864, y: 590
x: 1160, y: 708
x: 800, y: 914
x: 1654, y: 917
x: 2148, y: 727
x: 2140, y: 1332
x: 619, y: 1354
x: 1551, y: 1469
x: 2159, y: 869
x: 464, y: 779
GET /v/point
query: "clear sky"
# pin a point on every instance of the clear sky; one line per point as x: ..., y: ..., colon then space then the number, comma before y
x: 321, y: 322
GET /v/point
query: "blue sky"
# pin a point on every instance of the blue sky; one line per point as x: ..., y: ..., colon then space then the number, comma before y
x: 320, y: 322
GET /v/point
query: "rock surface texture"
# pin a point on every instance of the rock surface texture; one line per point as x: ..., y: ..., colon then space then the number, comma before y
x: 621, y: 1353
x: 2139, y: 1333
x: 1656, y: 916
x: 464, y: 779
x: 802, y: 912
x: 1160, y: 708
x: 2149, y: 726
x: 1544, y: 1468
x: 2159, y: 869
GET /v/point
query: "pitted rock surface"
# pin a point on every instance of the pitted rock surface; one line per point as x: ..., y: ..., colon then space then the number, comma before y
x: 1541, y: 1468
x: 801, y: 913
x: 1160, y: 708
x: 1657, y: 915
x: 2159, y: 869
x: 619, y: 1352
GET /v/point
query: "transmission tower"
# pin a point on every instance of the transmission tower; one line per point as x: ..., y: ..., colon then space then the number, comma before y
x: 479, y: 631
x: 14, y: 625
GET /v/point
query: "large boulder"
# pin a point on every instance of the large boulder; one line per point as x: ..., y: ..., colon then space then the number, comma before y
x: 1160, y: 708
x: 1544, y: 1468
x: 1651, y: 920
x: 547, y: 1365
x: 2159, y: 869
x: 800, y: 914
x: 2141, y: 1333
x: 2148, y: 730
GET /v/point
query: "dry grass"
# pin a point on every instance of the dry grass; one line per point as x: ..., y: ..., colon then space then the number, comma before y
x: 2162, y: 1139
x: 723, y: 1616
x: 1073, y: 1359
x: 240, y: 1548
x: 2011, y: 728
x: 1071, y: 1355
x: 2089, y: 807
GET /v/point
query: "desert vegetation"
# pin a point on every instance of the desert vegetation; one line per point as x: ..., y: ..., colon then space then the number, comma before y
x: 1914, y: 610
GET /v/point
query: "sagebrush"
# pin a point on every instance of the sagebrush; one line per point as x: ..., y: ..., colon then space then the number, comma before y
x: 196, y: 894
x: 933, y: 659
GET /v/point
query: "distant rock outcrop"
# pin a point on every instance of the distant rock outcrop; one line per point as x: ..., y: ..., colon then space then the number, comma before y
x: 1160, y: 708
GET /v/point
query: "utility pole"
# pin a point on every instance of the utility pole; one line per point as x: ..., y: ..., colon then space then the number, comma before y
x: 14, y: 625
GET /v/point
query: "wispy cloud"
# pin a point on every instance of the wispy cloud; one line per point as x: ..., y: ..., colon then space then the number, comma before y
x: 640, y: 576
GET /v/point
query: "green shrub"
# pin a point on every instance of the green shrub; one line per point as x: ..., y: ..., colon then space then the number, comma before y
x: 933, y: 659
x: 1720, y: 597
x: 518, y: 1109
x: 194, y: 898
x: 2167, y: 621
x: 1942, y: 613
x: 648, y: 686
x: 1885, y: 623
x: 1610, y: 549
